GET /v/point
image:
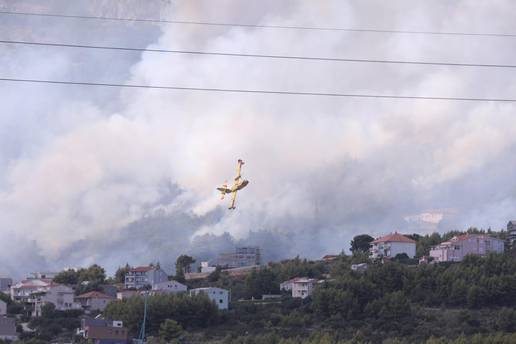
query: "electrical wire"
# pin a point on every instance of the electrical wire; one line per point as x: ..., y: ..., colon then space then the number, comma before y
x: 283, y: 57
x: 258, y: 26
x: 251, y: 91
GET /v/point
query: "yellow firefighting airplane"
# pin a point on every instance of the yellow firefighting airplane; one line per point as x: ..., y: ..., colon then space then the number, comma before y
x: 239, y: 185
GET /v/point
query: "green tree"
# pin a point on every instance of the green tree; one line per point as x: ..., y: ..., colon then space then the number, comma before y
x: 361, y: 243
x: 215, y: 275
x: 70, y: 277
x: 260, y: 282
x: 188, y: 311
x: 475, y: 298
x: 183, y: 264
x: 170, y: 330
x: 94, y: 274
x: 121, y: 272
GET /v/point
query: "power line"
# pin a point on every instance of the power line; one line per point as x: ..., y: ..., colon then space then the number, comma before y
x: 285, y: 27
x: 284, y: 57
x: 251, y: 91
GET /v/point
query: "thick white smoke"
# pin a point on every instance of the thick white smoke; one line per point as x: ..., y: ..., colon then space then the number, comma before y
x: 115, y: 176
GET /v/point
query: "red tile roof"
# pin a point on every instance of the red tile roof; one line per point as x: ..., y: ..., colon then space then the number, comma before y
x: 393, y: 238
x: 94, y: 295
x: 469, y: 236
x: 142, y: 269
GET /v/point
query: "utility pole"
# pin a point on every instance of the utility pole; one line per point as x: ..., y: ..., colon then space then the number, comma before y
x: 142, y: 330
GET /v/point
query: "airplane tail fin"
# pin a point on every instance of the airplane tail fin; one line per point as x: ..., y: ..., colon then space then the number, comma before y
x: 223, y: 190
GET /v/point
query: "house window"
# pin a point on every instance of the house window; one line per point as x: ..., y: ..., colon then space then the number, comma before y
x: 456, y: 247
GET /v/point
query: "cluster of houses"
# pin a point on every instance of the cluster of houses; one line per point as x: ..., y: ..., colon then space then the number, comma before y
x: 39, y: 289
x: 151, y: 280
x: 453, y: 250
x: 394, y: 244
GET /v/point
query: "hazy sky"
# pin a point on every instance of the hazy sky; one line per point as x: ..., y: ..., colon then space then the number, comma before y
x: 107, y: 175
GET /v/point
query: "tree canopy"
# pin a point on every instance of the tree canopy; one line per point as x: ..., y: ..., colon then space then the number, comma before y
x: 361, y: 243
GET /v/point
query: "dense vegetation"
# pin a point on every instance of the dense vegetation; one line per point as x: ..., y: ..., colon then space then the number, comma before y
x: 393, y: 303
x: 190, y: 312
x: 85, y: 279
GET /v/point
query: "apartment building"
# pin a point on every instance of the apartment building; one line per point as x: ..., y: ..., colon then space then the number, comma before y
x: 144, y: 276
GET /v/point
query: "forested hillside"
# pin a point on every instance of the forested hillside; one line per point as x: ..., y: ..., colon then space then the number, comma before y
x: 397, y: 302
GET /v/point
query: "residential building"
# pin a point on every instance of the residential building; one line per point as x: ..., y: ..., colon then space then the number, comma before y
x: 101, y: 331
x: 359, y: 267
x: 8, y: 329
x: 460, y: 246
x: 5, y: 284
x: 243, y: 256
x: 329, y: 257
x: 169, y: 287
x: 206, y: 268
x: 217, y: 295
x: 511, y: 232
x: 61, y: 296
x: 144, y: 276
x: 94, y: 301
x: 300, y: 287
x: 3, y: 308
x: 391, y: 245
x: 23, y: 290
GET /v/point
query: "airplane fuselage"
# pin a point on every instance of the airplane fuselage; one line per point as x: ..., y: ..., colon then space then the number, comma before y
x: 237, y: 186
x: 240, y: 186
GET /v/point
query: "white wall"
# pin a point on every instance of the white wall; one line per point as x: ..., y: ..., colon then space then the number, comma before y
x: 302, y: 290
x: 217, y: 295
x: 170, y: 287
x: 403, y: 247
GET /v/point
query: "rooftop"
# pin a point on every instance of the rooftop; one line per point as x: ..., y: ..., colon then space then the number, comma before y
x: 396, y: 237
x: 142, y: 269
x: 94, y: 295
x: 301, y: 280
x: 472, y: 236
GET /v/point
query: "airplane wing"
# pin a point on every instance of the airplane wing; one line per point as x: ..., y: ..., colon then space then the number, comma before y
x: 239, y: 168
x: 233, y: 200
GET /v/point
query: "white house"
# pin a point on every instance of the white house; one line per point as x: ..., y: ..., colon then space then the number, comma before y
x: 169, y: 287
x: 391, y: 245
x: 23, y: 290
x: 94, y: 301
x: 300, y: 287
x: 143, y: 276
x: 458, y: 247
x: 3, y: 308
x: 61, y: 296
x: 359, y: 267
x: 217, y: 295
